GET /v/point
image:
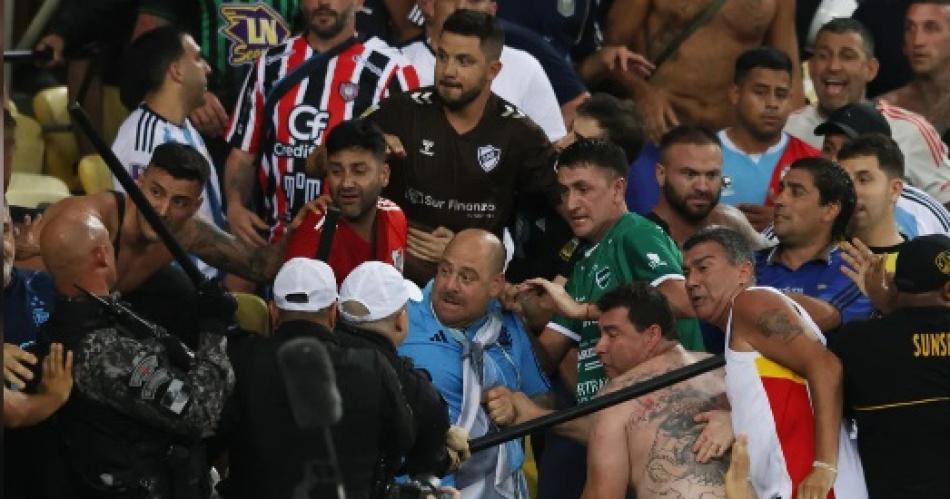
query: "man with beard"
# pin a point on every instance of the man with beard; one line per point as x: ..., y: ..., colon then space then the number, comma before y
x: 690, y: 177
x: 467, y: 154
x: 755, y: 151
x: 361, y: 75
x: 372, y: 228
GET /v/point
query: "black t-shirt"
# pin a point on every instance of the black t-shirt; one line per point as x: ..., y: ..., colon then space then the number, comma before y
x: 472, y: 180
x: 897, y: 387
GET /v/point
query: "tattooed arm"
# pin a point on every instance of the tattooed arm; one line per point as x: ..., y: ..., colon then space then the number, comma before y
x: 767, y: 323
x: 230, y: 254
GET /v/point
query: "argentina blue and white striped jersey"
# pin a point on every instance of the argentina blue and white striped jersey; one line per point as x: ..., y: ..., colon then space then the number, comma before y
x: 141, y: 133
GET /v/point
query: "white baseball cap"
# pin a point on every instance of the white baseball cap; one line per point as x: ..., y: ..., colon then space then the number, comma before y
x: 380, y: 288
x: 304, y: 285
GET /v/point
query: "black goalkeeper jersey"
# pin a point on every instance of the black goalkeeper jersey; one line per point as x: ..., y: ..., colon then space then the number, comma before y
x: 472, y: 180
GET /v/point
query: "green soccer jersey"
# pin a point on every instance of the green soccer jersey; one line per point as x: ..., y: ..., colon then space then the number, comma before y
x: 634, y: 249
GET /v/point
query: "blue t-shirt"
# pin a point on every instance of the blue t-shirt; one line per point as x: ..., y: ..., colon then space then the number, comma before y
x: 432, y: 347
x: 746, y: 177
x: 643, y: 191
x: 27, y: 304
x: 819, y: 278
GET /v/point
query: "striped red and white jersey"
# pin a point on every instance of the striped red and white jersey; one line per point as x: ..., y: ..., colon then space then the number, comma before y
x: 771, y: 405
x: 926, y: 165
x: 360, y: 76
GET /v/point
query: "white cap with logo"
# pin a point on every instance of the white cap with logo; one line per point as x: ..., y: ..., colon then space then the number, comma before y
x: 380, y: 288
x: 304, y: 285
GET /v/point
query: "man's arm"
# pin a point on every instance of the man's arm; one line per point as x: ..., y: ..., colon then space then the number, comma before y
x: 825, y: 315
x: 230, y: 254
x: 770, y: 325
x: 238, y: 184
x: 608, y: 458
x: 675, y: 292
x: 781, y: 35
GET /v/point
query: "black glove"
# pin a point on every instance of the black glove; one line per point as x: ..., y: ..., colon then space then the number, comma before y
x: 216, y: 308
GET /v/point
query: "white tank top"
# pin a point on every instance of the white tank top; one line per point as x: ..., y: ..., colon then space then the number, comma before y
x: 772, y: 406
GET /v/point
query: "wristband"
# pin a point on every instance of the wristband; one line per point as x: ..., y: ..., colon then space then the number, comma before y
x: 825, y: 466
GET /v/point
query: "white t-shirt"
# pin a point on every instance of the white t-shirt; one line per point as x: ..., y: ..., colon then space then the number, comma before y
x: 521, y: 81
x: 926, y: 165
x: 141, y: 133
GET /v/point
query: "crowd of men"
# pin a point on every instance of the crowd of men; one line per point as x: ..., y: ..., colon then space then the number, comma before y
x: 464, y: 215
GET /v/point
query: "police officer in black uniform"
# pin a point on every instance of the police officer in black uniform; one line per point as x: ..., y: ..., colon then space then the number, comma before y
x: 373, y: 301
x: 269, y: 455
x: 142, y: 401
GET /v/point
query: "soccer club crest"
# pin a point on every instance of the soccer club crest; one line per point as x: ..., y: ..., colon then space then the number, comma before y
x: 251, y: 29
x: 488, y: 157
x: 349, y: 90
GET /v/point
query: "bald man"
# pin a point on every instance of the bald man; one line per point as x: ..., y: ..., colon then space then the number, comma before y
x: 140, y: 399
x: 460, y: 324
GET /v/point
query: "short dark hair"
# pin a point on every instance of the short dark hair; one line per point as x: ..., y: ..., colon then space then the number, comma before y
x: 601, y: 153
x: 645, y: 306
x: 620, y: 118
x: 358, y: 134
x: 881, y: 147
x: 732, y: 242
x: 146, y: 61
x: 761, y: 58
x: 687, y: 134
x: 834, y: 186
x: 181, y: 161
x: 842, y: 25
x: 490, y: 36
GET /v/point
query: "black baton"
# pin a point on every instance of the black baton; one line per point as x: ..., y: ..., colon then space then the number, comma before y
x: 132, y: 189
x: 613, y: 398
x: 327, y: 232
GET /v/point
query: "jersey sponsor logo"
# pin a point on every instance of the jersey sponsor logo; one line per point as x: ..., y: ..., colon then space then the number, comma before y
x: 426, y: 148
x: 251, y: 28
x: 307, y: 123
x: 299, y: 183
x: 488, y: 157
x: 943, y: 262
x: 473, y: 209
x: 602, y: 277
x: 931, y: 344
x: 654, y: 261
x: 349, y: 91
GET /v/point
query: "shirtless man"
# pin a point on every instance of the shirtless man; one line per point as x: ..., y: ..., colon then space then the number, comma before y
x: 172, y: 183
x: 927, y: 47
x: 646, y: 443
x: 692, y: 86
x: 784, y: 386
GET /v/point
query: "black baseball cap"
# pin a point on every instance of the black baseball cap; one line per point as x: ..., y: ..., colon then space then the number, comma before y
x: 854, y: 120
x: 923, y: 264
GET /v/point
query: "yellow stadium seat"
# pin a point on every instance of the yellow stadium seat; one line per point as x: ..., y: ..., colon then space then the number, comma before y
x: 252, y: 313
x: 94, y: 175
x: 28, y: 157
x: 62, y: 148
x: 32, y: 189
